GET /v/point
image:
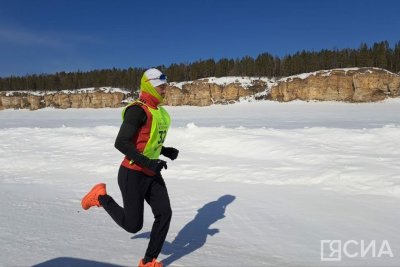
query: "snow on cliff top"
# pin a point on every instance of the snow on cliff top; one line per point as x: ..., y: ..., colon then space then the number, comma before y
x: 244, y: 81
x: 71, y: 91
x: 303, y: 76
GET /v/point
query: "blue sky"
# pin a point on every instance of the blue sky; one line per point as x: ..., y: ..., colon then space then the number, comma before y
x: 48, y: 36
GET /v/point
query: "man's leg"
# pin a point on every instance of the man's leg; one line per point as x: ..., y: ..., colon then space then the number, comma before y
x: 133, y: 186
x: 157, y: 197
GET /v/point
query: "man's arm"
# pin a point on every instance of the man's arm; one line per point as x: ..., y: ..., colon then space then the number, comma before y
x: 135, y: 118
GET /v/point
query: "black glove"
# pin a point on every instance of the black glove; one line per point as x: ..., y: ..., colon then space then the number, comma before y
x: 156, y: 165
x: 170, y: 152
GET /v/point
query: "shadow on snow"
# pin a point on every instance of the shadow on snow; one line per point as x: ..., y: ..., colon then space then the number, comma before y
x: 192, y: 237
x: 74, y: 262
x: 194, y: 234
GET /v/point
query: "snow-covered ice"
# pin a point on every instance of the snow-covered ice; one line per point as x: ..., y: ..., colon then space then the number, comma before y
x: 255, y: 184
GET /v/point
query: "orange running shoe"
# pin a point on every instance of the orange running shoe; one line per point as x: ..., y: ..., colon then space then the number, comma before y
x: 153, y: 263
x: 91, y: 198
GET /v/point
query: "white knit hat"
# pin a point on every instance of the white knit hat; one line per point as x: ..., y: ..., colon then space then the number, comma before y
x: 155, y: 77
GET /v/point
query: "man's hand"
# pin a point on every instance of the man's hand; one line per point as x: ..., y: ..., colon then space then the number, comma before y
x: 156, y: 165
x: 170, y: 152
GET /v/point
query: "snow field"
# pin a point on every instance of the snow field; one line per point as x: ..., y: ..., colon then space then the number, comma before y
x: 255, y: 184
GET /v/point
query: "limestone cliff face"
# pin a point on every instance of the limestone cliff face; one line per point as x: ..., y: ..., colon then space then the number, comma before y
x: 204, y: 92
x: 96, y: 98
x: 351, y: 85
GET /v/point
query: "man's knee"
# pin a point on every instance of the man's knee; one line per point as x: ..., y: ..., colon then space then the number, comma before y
x: 169, y: 214
x: 133, y: 227
x: 166, y: 214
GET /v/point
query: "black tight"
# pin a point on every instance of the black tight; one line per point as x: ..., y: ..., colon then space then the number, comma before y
x: 135, y: 188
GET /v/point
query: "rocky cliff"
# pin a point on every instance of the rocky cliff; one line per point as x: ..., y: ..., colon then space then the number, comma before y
x: 351, y: 85
x: 201, y: 92
x: 205, y: 92
x: 83, y: 98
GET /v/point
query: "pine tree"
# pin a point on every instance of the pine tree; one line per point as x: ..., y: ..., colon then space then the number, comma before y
x: 397, y: 57
x: 379, y: 55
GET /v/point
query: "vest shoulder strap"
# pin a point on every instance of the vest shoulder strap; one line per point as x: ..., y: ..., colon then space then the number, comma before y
x: 134, y: 103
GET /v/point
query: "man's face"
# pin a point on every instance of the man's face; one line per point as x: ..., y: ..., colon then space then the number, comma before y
x: 161, y: 89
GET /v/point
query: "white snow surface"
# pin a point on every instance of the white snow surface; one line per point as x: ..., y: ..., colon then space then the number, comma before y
x: 255, y: 184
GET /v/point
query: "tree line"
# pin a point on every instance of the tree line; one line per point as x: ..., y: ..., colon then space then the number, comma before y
x: 380, y: 55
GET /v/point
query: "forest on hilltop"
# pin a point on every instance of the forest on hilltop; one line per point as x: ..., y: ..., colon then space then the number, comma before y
x: 379, y: 55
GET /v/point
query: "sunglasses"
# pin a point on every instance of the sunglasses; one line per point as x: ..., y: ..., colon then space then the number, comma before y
x: 162, y: 77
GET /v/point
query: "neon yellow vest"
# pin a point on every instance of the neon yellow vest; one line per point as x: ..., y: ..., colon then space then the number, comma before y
x: 160, y: 122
